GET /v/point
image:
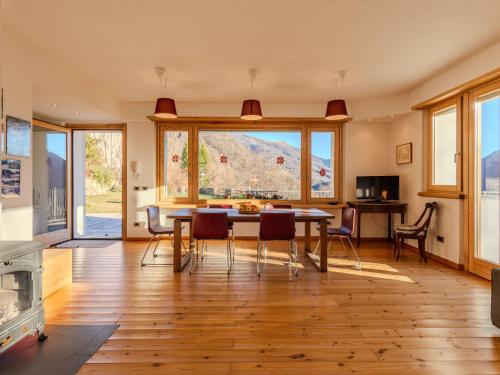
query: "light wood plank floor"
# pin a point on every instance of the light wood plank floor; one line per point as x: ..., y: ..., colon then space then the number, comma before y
x: 392, y: 317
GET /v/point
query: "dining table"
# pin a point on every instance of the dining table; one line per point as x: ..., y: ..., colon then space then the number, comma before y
x: 302, y: 215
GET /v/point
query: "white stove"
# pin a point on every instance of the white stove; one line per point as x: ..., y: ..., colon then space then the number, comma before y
x: 21, y: 304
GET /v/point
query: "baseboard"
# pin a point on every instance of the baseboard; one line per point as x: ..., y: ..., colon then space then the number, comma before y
x: 437, y: 258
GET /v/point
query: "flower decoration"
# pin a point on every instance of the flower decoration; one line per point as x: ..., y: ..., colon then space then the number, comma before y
x: 322, y: 172
x: 280, y: 160
x: 223, y: 159
x: 175, y: 158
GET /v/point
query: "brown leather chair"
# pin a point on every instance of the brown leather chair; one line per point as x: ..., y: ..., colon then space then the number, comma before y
x: 345, y: 231
x: 210, y: 226
x: 278, y: 226
x: 279, y: 205
x: 156, y: 229
x: 417, y: 231
x: 230, y: 225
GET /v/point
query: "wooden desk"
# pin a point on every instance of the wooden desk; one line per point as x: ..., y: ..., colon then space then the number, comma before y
x: 304, y: 215
x: 389, y: 208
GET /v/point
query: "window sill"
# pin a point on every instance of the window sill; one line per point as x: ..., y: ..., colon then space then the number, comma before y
x: 442, y: 194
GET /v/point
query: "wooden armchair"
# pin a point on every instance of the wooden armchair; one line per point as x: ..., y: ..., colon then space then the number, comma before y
x: 417, y: 231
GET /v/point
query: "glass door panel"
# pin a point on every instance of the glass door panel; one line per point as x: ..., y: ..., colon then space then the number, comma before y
x: 486, y: 185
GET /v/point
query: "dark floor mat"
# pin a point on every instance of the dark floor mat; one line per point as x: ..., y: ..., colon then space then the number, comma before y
x: 63, y: 353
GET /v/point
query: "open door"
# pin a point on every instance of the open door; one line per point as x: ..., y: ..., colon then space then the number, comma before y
x: 98, y: 183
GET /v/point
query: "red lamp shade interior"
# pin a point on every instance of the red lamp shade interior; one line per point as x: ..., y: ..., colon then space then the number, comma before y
x: 251, y: 110
x: 336, y: 110
x: 165, y: 108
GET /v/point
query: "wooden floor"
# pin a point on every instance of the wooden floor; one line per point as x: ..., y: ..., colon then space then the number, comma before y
x: 402, y: 317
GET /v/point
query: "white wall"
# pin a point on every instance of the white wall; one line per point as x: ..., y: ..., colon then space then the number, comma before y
x: 448, y: 219
x: 17, y: 214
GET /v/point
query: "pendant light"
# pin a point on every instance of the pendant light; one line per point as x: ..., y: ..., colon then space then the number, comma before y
x: 336, y: 109
x: 250, y: 110
x: 165, y: 107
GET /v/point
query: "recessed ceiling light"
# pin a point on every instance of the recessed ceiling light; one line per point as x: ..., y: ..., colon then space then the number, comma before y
x: 77, y: 113
x: 53, y: 104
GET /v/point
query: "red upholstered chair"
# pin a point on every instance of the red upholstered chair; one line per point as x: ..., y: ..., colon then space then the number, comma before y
x: 278, y: 226
x: 279, y: 205
x: 210, y: 226
x: 344, y: 232
x: 230, y: 225
x: 156, y: 229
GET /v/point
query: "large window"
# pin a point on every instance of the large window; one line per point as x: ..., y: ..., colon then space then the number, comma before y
x: 233, y: 161
x: 444, y: 131
x: 253, y: 165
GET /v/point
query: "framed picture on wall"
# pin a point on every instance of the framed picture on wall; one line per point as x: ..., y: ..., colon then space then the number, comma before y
x: 404, y: 154
x: 18, y: 134
x: 11, y: 178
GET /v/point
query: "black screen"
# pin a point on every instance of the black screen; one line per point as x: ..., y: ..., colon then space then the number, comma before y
x: 377, y: 187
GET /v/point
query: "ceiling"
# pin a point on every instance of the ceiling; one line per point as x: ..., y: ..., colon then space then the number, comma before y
x: 386, y: 47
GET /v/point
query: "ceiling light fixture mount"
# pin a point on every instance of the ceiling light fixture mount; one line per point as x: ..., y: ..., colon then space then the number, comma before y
x: 336, y: 109
x: 165, y: 107
x: 250, y: 110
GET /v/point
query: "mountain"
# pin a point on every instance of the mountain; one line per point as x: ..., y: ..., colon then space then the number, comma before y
x: 491, y: 171
x: 251, y: 157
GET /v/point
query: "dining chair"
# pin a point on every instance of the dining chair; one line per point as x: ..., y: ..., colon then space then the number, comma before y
x: 210, y: 226
x: 230, y: 225
x: 279, y: 205
x: 156, y: 229
x: 278, y: 226
x: 417, y: 231
x: 344, y: 231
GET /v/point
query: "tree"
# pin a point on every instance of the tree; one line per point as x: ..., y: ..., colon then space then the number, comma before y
x: 184, y: 157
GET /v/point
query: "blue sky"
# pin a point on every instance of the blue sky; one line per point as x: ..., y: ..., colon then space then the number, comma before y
x: 56, y: 143
x: 321, y: 142
x: 491, y: 126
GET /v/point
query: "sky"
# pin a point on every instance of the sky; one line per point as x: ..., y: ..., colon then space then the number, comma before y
x: 491, y: 126
x: 56, y: 143
x: 321, y: 142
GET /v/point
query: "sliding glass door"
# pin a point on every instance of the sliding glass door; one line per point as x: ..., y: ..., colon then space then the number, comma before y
x: 485, y: 179
x: 50, y: 183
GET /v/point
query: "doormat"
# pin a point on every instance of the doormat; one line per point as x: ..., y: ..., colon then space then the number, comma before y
x: 65, y: 351
x: 86, y: 243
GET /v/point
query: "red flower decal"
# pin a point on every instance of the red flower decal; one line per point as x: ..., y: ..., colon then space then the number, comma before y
x: 175, y: 158
x: 280, y: 160
x: 223, y: 159
x: 322, y: 172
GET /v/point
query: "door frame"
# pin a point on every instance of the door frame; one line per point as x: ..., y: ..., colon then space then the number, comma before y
x: 475, y: 265
x: 61, y: 235
x: 122, y: 127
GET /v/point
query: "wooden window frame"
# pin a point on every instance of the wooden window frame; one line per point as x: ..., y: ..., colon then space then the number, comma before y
x: 443, y: 190
x: 195, y: 125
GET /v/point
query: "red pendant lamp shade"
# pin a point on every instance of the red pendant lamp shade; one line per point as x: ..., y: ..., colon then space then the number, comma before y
x: 165, y: 108
x: 251, y: 110
x: 336, y: 110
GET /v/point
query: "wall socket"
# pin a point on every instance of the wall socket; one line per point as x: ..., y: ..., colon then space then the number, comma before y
x: 440, y: 238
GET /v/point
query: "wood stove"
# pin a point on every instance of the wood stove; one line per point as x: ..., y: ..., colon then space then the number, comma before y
x: 21, y: 304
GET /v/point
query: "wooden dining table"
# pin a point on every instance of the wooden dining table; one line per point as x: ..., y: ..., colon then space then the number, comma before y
x: 302, y: 215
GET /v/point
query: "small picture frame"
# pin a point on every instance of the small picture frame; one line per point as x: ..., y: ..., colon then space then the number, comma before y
x: 404, y: 154
x: 11, y: 178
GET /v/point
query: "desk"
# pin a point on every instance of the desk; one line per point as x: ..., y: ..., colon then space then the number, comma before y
x: 389, y: 208
x: 304, y: 215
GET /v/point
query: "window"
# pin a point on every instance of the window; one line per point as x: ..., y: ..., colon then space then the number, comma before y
x: 444, y: 130
x: 175, y: 158
x: 322, y: 166
x: 249, y: 164
x: 289, y: 160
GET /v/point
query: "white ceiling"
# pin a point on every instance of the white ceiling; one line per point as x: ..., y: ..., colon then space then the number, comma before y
x: 386, y: 46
